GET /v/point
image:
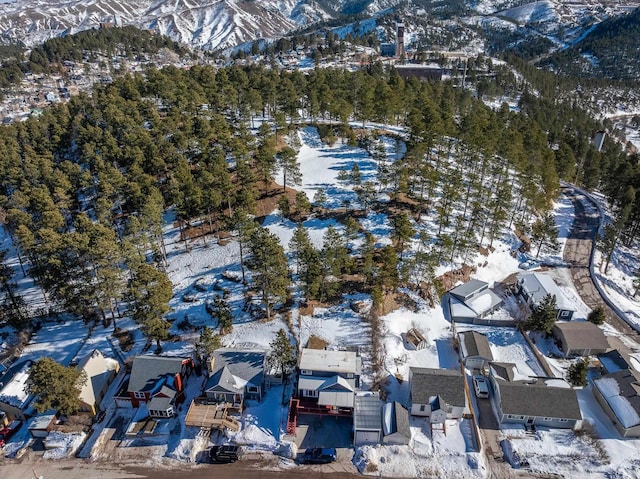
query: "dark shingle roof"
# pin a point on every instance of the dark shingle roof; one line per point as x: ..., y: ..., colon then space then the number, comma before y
x: 475, y: 344
x: 525, y: 398
x: 147, y: 370
x: 428, y: 382
x: 401, y: 419
x: 246, y: 364
x: 503, y: 370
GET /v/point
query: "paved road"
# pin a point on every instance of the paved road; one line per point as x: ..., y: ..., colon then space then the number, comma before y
x: 577, y: 254
x: 75, y: 469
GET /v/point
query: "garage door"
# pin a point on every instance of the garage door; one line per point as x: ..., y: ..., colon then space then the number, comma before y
x: 367, y: 437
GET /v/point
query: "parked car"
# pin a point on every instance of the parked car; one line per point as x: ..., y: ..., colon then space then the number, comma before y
x: 226, y: 453
x: 7, y: 431
x: 480, y: 386
x: 319, y: 455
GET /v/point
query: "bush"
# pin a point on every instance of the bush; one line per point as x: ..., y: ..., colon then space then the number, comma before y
x: 597, y: 316
x: 577, y: 373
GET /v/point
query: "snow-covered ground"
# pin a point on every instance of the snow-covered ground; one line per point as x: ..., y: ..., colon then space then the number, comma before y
x: 198, y: 274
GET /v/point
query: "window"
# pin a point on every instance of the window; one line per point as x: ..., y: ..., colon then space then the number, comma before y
x: 169, y: 412
x: 509, y: 416
x: 306, y: 372
x: 521, y: 417
x: 422, y: 407
x: 546, y: 419
x: 349, y: 375
x: 564, y: 420
x: 138, y: 395
x: 310, y: 393
x: 564, y: 314
x: 252, y: 389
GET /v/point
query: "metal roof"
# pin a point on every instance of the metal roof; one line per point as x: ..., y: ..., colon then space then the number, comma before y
x: 468, y: 289
x: 330, y: 361
x: 538, y: 285
x: 336, y: 398
x: 367, y: 414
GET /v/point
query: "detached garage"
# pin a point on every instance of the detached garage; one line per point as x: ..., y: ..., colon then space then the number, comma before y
x: 367, y: 419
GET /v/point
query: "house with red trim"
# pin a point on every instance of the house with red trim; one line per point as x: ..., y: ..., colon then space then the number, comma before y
x: 158, y: 382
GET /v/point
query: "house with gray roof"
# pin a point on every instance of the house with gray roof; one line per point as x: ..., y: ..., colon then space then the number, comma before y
x: 549, y: 402
x: 156, y: 376
x: 472, y: 301
x: 235, y: 375
x: 619, y: 395
x: 475, y: 350
x: 437, y: 391
x: 534, y: 287
x: 580, y: 338
x: 395, y: 422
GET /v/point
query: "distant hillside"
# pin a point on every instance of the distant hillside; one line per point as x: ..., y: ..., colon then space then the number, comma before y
x: 611, y: 50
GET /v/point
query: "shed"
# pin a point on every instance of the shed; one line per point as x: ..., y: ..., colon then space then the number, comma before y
x: 416, y: 339
x: 40, y: 425
x: 475, y: 349
x: 396, y: 424
x: 619, y: 395
x: 580, y: 338
x: 367, y: 419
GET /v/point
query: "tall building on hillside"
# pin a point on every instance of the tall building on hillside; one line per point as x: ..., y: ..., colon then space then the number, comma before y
x: 399, y: 39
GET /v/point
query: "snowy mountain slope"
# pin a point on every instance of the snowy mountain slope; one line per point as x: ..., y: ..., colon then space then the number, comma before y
x: 201, y: 23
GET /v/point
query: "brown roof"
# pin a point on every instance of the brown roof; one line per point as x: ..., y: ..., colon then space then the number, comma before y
x: 581, y: 335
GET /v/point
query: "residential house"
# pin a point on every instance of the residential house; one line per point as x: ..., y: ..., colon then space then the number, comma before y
x: 396, y: 424
x: 100, y: 373
x: 472, y: 301
x: 438, y: 394
x: 329, y: 378
x: 14, y: 399
x: 367, y: 419
x: 534, y: 287
x: 236, y: 375
x: 518, y: 398
x: 475, y: 350
x: 619, y: 395
x: 156, y: 377
x: 580, y: 338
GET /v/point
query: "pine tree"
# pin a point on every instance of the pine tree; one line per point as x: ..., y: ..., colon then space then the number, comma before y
x: 403, y: 231
x: 206, y: 344
x: 149, y: 292
x: 55, y: 386
x: 545, y: 232
x: 597, y: 316
x: 288, y: 163
x: 268, y: 263
x: 577, y: 373
x: 221, y: 311
x: 283, y: 352
x: 543, y: 316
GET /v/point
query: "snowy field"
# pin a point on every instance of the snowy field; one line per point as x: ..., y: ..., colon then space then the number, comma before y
x: 203, y: 271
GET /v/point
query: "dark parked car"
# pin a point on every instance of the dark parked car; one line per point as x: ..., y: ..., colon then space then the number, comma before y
x: 226, y: 453
x: 319, y: 455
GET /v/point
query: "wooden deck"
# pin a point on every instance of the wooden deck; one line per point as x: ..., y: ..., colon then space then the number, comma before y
x: 203, y: 413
